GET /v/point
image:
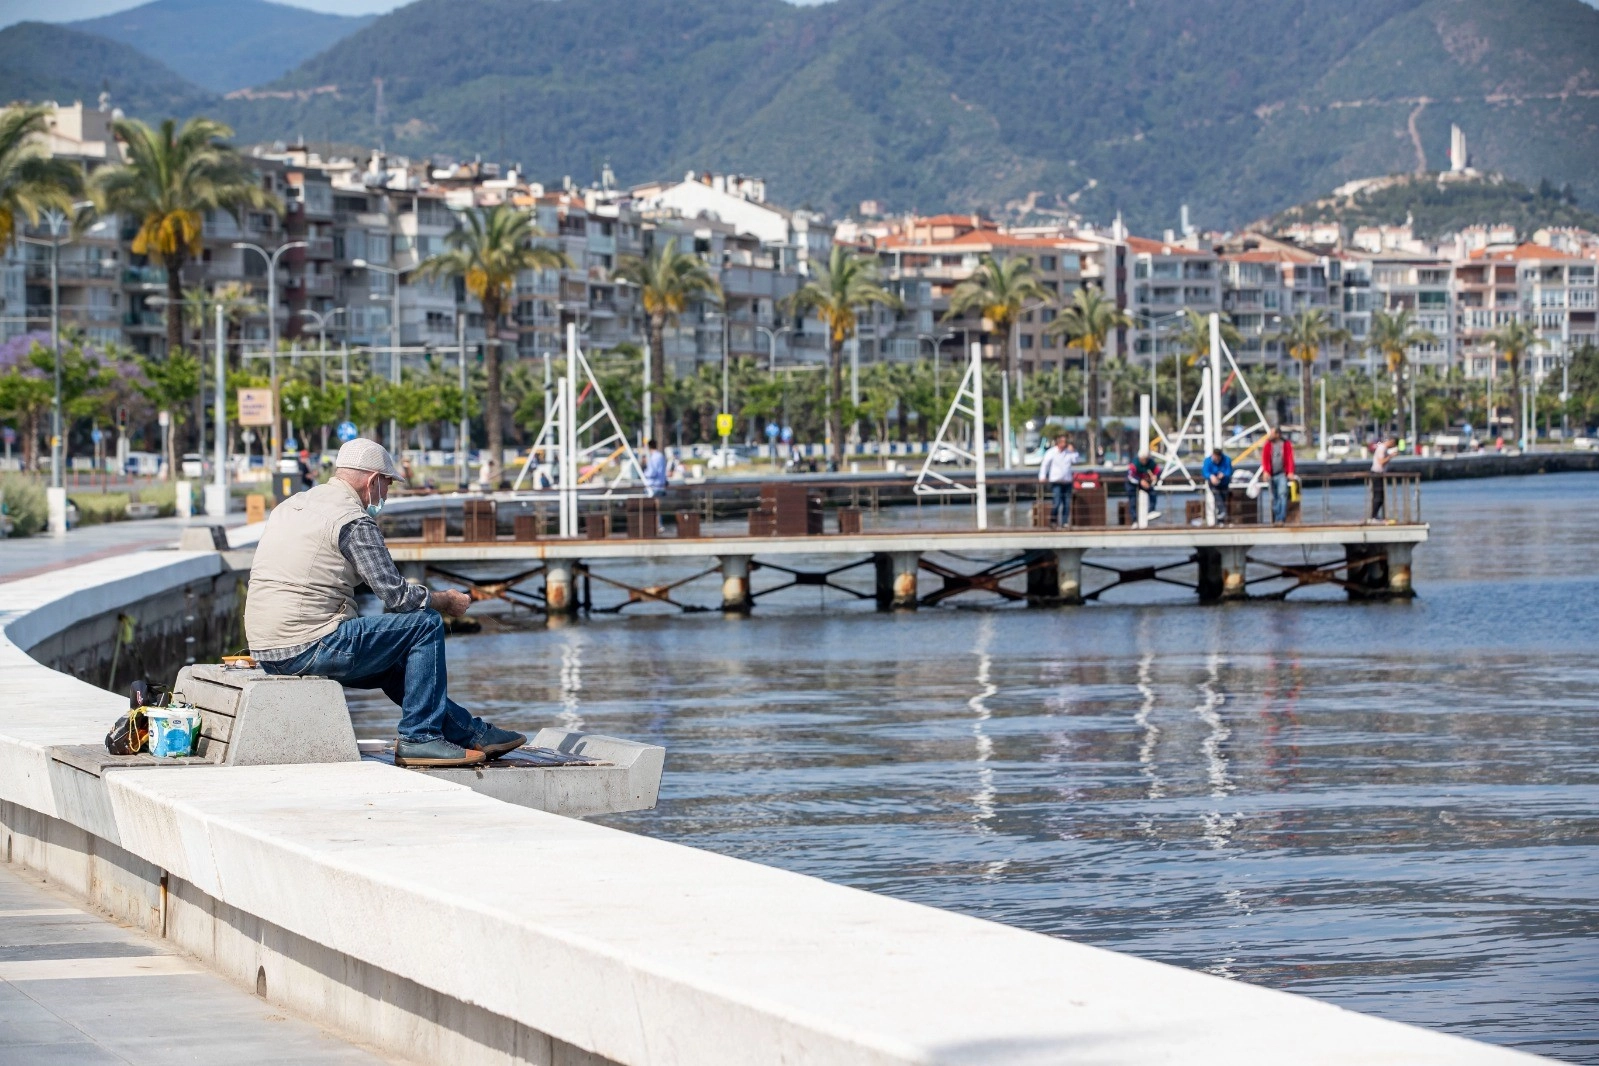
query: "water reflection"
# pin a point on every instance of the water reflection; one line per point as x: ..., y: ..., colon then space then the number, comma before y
x: 1389, y: 806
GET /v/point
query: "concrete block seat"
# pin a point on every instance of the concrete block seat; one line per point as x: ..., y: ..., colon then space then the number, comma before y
x: 251, y: 718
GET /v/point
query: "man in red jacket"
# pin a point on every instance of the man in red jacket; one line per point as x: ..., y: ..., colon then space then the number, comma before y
x: 1277, y: 463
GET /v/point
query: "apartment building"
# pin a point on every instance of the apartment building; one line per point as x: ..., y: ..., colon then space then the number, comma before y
x: 1394, y: 281
x: 1553, y: 290
x: 90, y: 264
x: 1264, y: 283
x: 925, y: 259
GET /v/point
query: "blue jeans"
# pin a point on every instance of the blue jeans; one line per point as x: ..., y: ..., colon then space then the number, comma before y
x: 402, y: 654
x: 1279, y: 498
x: 1060, y: 510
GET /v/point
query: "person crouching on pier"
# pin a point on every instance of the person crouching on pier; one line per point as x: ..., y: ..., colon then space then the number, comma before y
x: 1277, y: 463
x: 300, y: 615
x: 1142, y: 473
x: 1218, y: 474
x: 1056, y: 472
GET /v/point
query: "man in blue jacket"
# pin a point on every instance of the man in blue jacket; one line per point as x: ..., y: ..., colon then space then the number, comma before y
x: 1218, y: 472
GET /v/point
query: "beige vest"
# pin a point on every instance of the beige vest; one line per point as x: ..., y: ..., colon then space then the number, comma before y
x: 301, y: 586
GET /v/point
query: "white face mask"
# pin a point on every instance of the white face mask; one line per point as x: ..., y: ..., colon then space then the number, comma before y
x: 375, y: 508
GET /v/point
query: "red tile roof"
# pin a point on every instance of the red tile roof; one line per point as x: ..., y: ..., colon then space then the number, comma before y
x: 1144, y: 246
x: 1527, y: 250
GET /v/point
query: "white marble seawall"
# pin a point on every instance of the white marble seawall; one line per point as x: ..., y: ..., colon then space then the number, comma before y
x: 628, y: 948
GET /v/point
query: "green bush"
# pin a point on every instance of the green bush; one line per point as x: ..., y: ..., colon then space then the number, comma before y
x: 24, y: 503
x: 97, y: 508
x: 164, y: 496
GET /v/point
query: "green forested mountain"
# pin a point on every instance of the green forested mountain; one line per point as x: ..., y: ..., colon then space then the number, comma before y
x: 1436, y: 207
x: 1236, y: 109
x: 1239, y: 110
x: 224, y: 44
x: 40, y: 62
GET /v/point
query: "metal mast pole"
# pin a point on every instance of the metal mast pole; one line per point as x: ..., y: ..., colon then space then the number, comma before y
x: 463, y: 439
x: 217, y: 505
x: 979, y: 448
x: 57, y: 480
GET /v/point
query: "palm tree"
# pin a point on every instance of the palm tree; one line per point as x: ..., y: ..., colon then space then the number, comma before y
x: 1000, y: 291
x: 173, y: 176
x: 849, y: 280
x: 1393, y: 334
x: 30, y: 181
x: 1514, y: 341
x: 668, y: 281
x: 1305, y: 334
x: 1086, y: 324
x: 491, y: 247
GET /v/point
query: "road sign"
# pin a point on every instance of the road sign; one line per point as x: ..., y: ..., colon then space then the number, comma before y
x: 772, y: 431
x: 788, y: 434
x: 163, y: 418
x: 248, y: 436
x: 347, y: 432
x: 9, y: 434
x: 255, y: 407
x: 724, y: 424
x: 94, y: 435
x: 291, y: 445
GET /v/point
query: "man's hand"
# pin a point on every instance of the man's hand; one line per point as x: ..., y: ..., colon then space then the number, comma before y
x: 450, y: 602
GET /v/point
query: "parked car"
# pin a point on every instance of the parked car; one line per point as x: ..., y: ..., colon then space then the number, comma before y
x: 1587, y: 444
x: 733, y: 455
x: 945, y: 456
x: 142, y: 464
x: 1340, y: 445
x: 195, y: 466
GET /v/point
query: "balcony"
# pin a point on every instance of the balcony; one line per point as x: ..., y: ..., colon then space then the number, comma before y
x: 145, y: 320
x: 145, y: 275
x: 312, y: 284
x: 318, y: 247
x: 73, y: 271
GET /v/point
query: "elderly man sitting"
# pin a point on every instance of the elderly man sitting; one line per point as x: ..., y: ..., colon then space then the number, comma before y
x: 300, y: 615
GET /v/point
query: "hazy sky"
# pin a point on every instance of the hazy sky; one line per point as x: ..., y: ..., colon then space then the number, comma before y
x: 73, y: 10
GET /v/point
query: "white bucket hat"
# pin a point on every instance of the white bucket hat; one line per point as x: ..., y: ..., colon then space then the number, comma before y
x: 363, y: 454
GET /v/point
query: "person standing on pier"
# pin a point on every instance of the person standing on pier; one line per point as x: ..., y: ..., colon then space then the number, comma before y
x: 1218, y: 474
x: 1141, y: 475
x: 1382, y: 453
x: 1056, y: 472
x: 1277, y: 463
x: 300, y: 616
x: 655, y: 469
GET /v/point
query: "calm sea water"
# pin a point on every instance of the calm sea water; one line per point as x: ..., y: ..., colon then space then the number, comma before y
x: 1392, y: 807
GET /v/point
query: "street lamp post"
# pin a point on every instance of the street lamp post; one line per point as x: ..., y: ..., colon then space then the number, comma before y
x: 394, y: 337
x: 771, y: 339
x: 322, y: 336
x: 272, y: 327
x: 938, y: 340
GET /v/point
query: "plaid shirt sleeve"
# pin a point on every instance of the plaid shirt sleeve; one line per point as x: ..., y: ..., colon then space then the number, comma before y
x: 362, y: 544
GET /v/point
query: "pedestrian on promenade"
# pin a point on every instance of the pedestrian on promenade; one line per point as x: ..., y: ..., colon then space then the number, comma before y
x: 1141, y: 475
x: 1056, y: 472
x: 1218, y: 473
x: 655, y: 469
x: 1382, y: 453
x: 1277, y: 463
x: 300, y: 617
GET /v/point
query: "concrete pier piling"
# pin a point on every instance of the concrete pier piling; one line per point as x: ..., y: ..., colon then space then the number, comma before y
x: 1069, y: 575
x: 897, y: 580
x: 736, y: 597
x: 560, y: 590
x: 1234, y: 571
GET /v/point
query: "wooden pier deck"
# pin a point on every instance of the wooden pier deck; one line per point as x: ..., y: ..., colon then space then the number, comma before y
x: 1038, y: 566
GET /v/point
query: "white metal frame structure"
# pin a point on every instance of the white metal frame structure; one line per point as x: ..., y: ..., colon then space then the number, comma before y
x: 968, y: 403
x: 563, y: 435
x: 1206, y: 423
